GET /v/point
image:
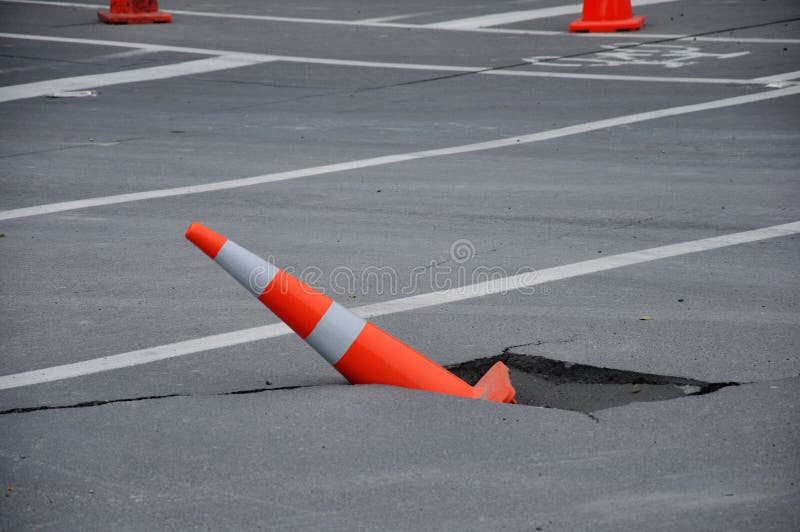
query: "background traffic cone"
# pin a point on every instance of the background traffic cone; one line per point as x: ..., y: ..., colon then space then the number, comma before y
x: 133, y: 12
x: 360, y: 351
x: 607, y: 16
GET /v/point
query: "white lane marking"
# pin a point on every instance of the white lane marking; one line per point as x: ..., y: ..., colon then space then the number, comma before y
x: 753, y: 40
x: 788, y: 76
x: 244, y: 56
x: 374, y: 64
x: 402, y: 157
x: 143, y: 356
x: 511, y: 17
x: 115, y: 44
x: 629, y: 35
x: 633, y: 35
x: 620, y: 54
x: 119, y: 55
x: 495, y: 286
x: 198, y: 66
x: 378, y: 20
x: 620, y: 77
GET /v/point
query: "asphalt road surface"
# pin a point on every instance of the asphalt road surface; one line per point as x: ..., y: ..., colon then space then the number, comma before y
x: 634, y: 197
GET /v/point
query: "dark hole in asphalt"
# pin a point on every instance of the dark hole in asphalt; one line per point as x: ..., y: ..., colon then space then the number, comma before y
x: 541, y: 381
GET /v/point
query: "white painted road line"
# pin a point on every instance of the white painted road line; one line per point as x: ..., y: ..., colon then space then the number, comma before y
x: 390, y: 18
x: 779, y: 77
x: 198, y: 66
x: 244, y: 56
x: 641, y: 35
x: 619, y: 77
x: 402, y: 157
x: 374, y: 64
x: 511, y: 17
x: 143, y: 356
x: 406, y: 304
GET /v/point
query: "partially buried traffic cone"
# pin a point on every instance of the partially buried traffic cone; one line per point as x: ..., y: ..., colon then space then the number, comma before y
x: 133, y: 12
x: 607, y: 16
x: 359, y: 350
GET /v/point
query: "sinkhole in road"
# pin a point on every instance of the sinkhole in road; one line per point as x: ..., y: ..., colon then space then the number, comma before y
x: 545, y: 382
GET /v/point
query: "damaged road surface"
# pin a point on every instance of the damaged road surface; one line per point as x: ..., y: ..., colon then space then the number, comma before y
x: 540, y: 381
x: 347, y: 457
x: 457, y: 174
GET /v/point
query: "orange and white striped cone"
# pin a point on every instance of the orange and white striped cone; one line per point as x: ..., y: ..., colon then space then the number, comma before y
x: 133, y: 12
x: 360, y: 351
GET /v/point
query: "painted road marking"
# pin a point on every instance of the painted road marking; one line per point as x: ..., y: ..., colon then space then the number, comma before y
x: 492, y: 71
x: 244, y: 56
x: 367, y: 23
x: 779, y: 77
x: 621, y: 77
x: 391, y: 18
x: 498, y: 19
x: 405, y: 304
x: 401, y: 157
x: 663, y: 55
x: 198, y: 66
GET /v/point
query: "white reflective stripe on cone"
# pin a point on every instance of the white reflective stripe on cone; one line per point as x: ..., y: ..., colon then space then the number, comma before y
x: 335, y: 332
x: 252, y: 272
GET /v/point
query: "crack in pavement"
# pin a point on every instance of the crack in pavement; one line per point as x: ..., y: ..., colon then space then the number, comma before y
x: 539, y: 381
x: 624, y: 46
x: 621, y: 46
x: 507, y: 350
x: 89, y: 404
x: 72, y: 147
x: 500, y: 67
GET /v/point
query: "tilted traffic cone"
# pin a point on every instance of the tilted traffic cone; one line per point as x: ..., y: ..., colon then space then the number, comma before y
x: 607, y: 16
x: 360, y: 351
x: 133, y: 12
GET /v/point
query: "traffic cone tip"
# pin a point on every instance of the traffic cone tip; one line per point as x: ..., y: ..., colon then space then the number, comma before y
x: 209, y: 241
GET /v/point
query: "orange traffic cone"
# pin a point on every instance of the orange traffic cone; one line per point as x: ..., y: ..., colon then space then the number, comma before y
x: 133, y: 12
x: 607, y: 16
x: 359, y: 350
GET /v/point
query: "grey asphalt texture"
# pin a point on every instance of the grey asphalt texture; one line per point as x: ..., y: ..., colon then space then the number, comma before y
x: 266, y: 435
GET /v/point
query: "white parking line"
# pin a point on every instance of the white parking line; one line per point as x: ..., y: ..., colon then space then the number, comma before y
x: 367, y: 23
x: 620, y: 77
x: 498, y: 19
x: 401, y: 66
x: 390, y: 18
x: 495, y: 286
x: 788, y: 76
x: 402, y: 157
x: 244, y: 56
x: 198, y: 66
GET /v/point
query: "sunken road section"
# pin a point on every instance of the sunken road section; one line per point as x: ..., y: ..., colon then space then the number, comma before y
x: 540, y: 381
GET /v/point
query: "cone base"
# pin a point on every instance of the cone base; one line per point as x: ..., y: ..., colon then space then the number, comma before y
x: 134, y: 18
x: 496, y: 385
x: 607, y: 26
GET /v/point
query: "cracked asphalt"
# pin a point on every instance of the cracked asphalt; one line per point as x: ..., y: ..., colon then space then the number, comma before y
x: 211, y: 423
